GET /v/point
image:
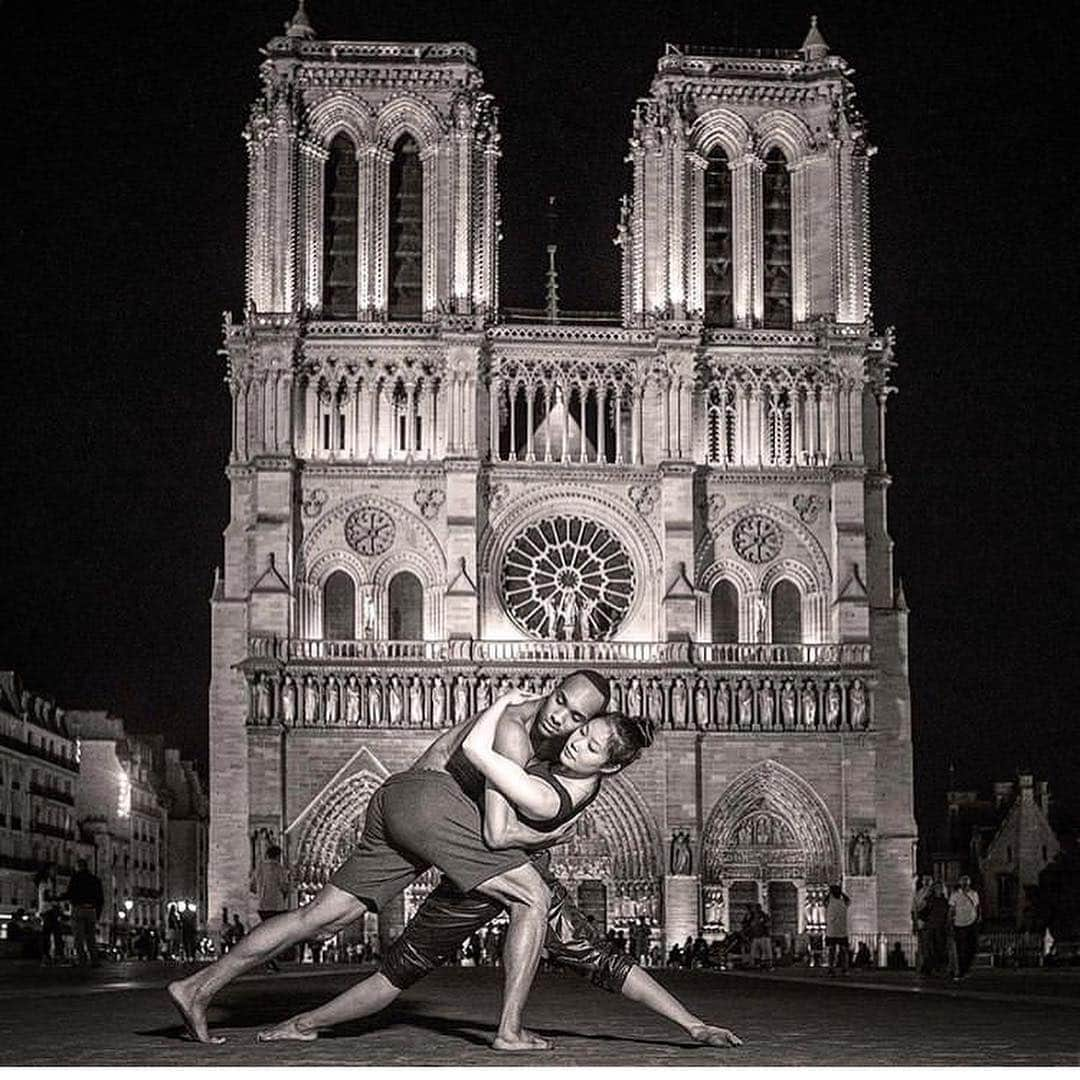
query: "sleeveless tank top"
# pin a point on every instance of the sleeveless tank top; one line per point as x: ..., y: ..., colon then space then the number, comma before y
x: 542, y: 771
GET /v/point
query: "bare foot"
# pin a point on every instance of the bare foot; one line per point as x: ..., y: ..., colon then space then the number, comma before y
x: 287, y: 1031
x: 708, y: 1035
x: 519, y: 1042
x: 193, y: 1012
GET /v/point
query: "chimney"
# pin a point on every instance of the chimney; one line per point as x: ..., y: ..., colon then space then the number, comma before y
x: 1027, y: 787
x: 1003, y: 790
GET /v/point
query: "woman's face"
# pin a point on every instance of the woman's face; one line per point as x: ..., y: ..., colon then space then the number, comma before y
x: 586, y: 750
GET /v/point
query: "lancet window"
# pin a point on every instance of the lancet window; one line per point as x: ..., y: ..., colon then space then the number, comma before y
x: 406, y: 607
x: 722, y: 425
x: 725, y: 612
x: 340, y: 229
x: 339, y: 607
x: 405, y: 275
x: 779, y: 446
x: 776, y: 224
x: 786, y: 612
x: 718, y: 230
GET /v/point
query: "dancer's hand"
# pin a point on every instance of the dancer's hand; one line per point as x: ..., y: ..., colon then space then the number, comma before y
x: 708, y: 1035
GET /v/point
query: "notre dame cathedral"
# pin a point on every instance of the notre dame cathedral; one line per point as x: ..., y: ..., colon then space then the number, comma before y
x: 432, y: 500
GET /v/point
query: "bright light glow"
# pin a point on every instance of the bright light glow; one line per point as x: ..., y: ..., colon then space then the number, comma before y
x: 123, y: 798
x: 129, y: 904
x: 122, y: 914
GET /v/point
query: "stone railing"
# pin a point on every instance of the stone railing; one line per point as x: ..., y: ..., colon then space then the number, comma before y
x: 470, y: 651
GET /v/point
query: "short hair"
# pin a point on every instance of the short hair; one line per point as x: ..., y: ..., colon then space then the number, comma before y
x: 600, y: 682
x: 629, y: 736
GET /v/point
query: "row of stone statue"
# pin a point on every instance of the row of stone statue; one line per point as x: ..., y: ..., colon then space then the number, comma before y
x: 400, y: 700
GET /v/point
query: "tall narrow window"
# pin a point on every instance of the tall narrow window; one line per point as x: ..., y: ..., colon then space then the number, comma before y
x: 406, y: 231
x: 340, y: 223
x: 406, y: 607
x: 776, y: 223
x: 339, y: 607
x: 725, y: 613
x: 786, y: 614
x: 718, y: 276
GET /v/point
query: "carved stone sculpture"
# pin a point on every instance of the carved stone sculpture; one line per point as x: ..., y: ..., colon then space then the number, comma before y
x: 809, y: 705
x: 438, y: 703
x: 263, y: 706
x: 857, y: 705
x: 374, y: 703
x: 288, y: 701
x: 397, y: 704
x: 416, y: 703
x: 746, y: 706
x: 766, y: 705
x: 678, y: 704
x: 788, y: 706
x: 701, y: 705
x: 352, y: 702
x: 311, y: 701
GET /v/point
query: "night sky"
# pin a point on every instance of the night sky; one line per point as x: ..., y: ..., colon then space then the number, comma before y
x: 123, y: 243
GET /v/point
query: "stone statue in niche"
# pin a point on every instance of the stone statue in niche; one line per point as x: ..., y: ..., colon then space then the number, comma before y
x: 861, y: 855
x: 681, y: 855
x: 788, y: 706
x: 551, y: 616
x: 352, y: 702
x: 288, y: 701
x: 678, y: 704
x: 633, y: 698
x: 569, y: 612
x: 262, y: 700
x: 416, y: 702
x: 311, y: 701
x: 701, y: 705
x: 367, y: 612
x: 333, y: 699
x: 656, y: 702
x: 588, y: 609
x: 832, y: 707
x: 766, y: 705
x: 397, y: 704
x: 483, y: 693
x: 461, y: 699
x: 761, y: 618
x: 746, y: 706
x: 809, y: 705
x: 374, y: 702
x: 857, y: 705
x: 723, y: 717
x: 438, y: 703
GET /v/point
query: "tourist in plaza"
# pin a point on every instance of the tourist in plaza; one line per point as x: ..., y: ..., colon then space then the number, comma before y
x: 836, y: 929
x: 756, y: 931
x: 426, y: 816
x: 639, y: 939
x: 87, y: 898
x: 935, y: 917
x: 964, y: 918
x: 923, y: 888
x: 270, y: 884
x: 52, y: 935
x: 189, y: 932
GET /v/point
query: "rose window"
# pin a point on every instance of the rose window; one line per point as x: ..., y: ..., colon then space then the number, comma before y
x: 567, y: 578
x: 757, y: 539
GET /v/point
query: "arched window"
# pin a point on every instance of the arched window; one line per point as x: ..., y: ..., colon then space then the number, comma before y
x: 778, y: 412
x: 406, y: 607
x: 406, y: 231
x: 725, y: 612
x: 721, y: 432
x: 776, y: 224
x: 786, y: 614
x: 339, y: 607
x: 718, y: 275
x: 340, y: 224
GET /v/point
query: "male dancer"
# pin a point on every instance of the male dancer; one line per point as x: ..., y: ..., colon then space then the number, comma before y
x: 449, y: 917
x: 416, y: 819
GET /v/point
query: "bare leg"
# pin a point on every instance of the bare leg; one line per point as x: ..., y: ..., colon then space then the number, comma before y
x: 366, y: 998
x: 645, y: 990
x: 527, y: 898
x: 331, y: 910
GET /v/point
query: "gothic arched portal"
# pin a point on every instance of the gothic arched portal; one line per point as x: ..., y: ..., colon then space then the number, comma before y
x: 769, y: 825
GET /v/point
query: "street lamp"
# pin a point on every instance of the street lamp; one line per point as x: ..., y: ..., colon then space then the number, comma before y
x: 129, y: 904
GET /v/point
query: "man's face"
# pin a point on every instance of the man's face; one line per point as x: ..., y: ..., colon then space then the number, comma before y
x: 574, y: 701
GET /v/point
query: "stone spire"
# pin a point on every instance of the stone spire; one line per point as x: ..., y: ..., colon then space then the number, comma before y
x: 552, y: 286
x: 815, y: 46
x: 299, y: 26
x: 899, y: 599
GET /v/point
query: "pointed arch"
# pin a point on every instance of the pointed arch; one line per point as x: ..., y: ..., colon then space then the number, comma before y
x: 335, y: 821
x: 803, y: 834
x: 617, y: 835
x: 721, y: 127
x: 781, y: 129
x: 340, y: 113
x: 407, y: 115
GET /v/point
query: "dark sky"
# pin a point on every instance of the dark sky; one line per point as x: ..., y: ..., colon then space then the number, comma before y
x: 123, y: 243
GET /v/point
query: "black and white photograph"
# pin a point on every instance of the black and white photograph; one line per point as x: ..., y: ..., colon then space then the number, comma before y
x: 539, y: 535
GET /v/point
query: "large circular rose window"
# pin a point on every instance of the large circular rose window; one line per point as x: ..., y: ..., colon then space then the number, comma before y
x: 567, y: 578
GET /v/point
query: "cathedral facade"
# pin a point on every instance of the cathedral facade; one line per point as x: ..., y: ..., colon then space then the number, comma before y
x: 431, y: 502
